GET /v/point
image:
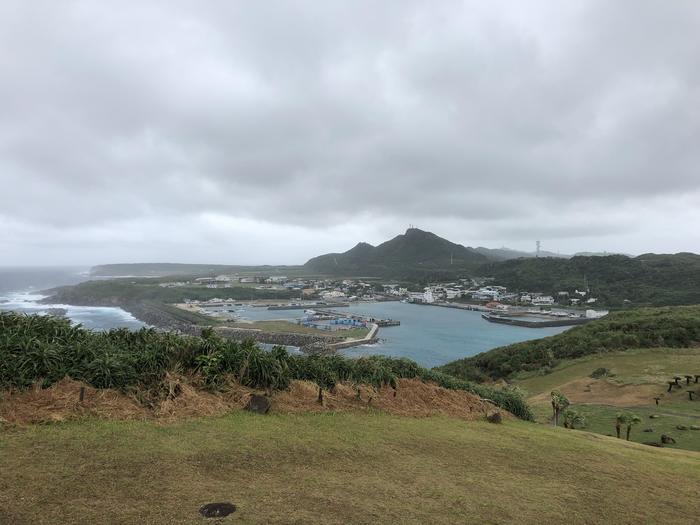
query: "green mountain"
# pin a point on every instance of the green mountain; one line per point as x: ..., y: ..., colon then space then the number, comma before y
x: 616, y: 280
x: 414, y: 255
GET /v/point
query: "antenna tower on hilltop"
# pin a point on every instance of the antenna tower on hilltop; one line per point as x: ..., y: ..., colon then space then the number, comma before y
x: 537, y: 252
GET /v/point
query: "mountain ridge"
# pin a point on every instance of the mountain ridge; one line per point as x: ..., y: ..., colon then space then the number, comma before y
x: 415, y: 251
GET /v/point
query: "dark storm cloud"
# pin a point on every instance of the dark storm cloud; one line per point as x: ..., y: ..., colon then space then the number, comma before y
x: 483, y: 119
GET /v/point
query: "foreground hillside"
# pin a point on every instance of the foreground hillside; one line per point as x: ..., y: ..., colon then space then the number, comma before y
x: 676, y: 327
x: 338, y: 468
x: 45, y: 350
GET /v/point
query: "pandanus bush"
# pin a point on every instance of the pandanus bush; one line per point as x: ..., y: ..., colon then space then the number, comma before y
x: 45, y: 348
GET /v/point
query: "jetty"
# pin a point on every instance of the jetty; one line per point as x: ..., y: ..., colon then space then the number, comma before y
x: 532, y: 323
x: 369, y: 339
x: 304, y: 306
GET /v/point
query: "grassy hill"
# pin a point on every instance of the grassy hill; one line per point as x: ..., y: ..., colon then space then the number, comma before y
x: 165, y: 269
x: 338, y: 468
x: 415, y: 255
x: 631, y: 382
x: 615, y: 280
x: 640, y: 328
x: 118, y: 292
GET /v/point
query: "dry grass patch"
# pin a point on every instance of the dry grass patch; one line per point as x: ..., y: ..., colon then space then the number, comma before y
x: 183, y: 397
x: 412, y: 397
x: 603, y: 392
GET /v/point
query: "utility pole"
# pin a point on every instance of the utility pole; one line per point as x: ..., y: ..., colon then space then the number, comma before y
x: 537, y: 252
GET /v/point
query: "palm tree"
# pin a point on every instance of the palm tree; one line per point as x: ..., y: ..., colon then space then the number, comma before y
x: 627, y: 419
x: 633, y: 419
x: 573, y: 418
x: 559, y: 403
x: 620, y: 419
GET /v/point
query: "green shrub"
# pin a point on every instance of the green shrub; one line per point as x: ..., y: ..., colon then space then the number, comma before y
x: 42, y: 348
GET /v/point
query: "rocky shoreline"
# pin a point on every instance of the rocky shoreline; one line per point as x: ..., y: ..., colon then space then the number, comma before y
x: 162, y: 320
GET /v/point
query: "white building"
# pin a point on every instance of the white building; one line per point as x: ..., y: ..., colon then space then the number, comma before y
x: 417, y: 297
x: 429, y: 296
x: 334, y: 294
x: 492, y: 293
x: 543, y: 300
x: 453, y: 293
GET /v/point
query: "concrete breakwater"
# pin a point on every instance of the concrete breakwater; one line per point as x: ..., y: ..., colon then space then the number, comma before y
x: 277, y: 338
x: 304, y: 306
x: 535, y: 324
x: 370, y: 338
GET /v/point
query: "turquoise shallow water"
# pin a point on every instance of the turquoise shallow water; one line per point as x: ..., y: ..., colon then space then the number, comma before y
x: 429, y: 335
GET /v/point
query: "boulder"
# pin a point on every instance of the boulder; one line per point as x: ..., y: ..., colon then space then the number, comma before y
x: 692, y: 427
x: 494, y: 417
x: 653, y: 416
x: 667, y: 440
x: 217, y: 510
x: 681, y: 427
x: 600, y: 372
x: 648, y: 430
x: 258, y: 404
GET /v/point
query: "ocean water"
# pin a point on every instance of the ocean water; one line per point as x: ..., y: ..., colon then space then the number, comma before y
x: 20, y: 291
x: 429, y: 335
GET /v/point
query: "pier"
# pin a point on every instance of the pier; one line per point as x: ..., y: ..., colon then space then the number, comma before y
x: 300, y: 306
x: 529, y: 323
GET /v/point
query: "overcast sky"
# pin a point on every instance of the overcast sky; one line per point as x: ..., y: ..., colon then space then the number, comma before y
x: 270, y: 132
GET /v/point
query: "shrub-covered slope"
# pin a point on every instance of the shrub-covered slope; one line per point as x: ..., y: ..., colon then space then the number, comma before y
x: 641, y: 328
x: 43, y: 348
x: 647, y: 280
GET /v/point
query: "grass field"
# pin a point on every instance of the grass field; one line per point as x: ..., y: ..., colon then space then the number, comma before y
x: 338, y: 468
x: 637, y: 377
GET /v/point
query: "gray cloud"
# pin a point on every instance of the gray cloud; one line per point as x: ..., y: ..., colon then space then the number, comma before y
x: 328, y: 123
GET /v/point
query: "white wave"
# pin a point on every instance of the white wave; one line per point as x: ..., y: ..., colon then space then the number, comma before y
x: 94, y: 316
